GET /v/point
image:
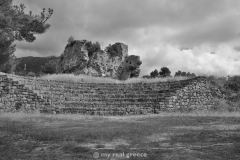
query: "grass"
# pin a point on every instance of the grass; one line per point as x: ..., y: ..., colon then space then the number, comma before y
x: 199, y: 135
x: 90, y: 79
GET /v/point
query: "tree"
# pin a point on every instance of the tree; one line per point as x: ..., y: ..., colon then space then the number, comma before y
x: 17, y: 25
x: 184, y: 74
x: 50, y: 67
x: 164, y: 72
x: 178, y: 73
x: 154, y: 73
x: 8, y: 60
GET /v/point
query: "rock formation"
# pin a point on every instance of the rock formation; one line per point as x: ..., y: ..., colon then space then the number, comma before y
x: 85, y: 57
x: 129, y: 68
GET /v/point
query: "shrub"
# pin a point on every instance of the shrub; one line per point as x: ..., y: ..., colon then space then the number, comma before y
x: 31, y: 74
x: 233, y: 83
x: 216, y: 85
x: 220, y: 105
x: 92, y: 47
x: 70, y: 39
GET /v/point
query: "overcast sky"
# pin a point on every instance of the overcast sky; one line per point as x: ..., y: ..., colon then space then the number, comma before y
x: 199, y: 36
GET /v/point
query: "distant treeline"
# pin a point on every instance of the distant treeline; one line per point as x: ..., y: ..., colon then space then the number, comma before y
x: 165, y: 72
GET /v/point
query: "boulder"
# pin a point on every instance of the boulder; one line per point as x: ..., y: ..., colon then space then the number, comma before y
x: 85, y: 57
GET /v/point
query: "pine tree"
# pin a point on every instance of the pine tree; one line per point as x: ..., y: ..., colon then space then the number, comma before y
x: 17, y: 25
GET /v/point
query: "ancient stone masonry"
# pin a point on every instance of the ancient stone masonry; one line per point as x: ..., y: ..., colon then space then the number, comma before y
x: 104, y: 98
x: 15, y: 96
x: 85, y: 57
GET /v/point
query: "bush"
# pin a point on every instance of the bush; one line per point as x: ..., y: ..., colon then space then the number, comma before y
x: 31, y: 74
x: 92, y: 47
x: 70, y: 39
x: 220, y: 105
x: 217, y: 83
x: 233, y: 83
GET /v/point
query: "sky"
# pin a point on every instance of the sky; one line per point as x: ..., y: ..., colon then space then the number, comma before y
x: 196, y: 36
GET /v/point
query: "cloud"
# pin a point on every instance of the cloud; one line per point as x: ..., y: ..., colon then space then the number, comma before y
x: 175, y: 59
x: 178, y: 34
x: 214, y: 31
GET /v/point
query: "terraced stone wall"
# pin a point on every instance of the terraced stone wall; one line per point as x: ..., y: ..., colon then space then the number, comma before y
x: 15, y: 96
x: 104, y: 98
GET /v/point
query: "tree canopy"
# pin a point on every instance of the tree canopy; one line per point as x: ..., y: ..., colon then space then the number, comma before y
x: 154, y: 73
x: 164, y: 72
x: 15, y: 24
x: 49, y: 67
x: 184, y: 74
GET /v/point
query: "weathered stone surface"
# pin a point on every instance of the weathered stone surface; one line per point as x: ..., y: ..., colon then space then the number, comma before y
x: 129, y: 68
x: 75, y: 58
x: 102, y: 98
x: 85, y: 57
x: 106, y: 63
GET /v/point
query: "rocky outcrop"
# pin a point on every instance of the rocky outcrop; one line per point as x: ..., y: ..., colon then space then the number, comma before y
x: 75, y: 58
x: 85, y: 57
x: 129, y: 68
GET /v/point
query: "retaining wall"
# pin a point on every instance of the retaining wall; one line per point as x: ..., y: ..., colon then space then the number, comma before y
x: 103, y: 98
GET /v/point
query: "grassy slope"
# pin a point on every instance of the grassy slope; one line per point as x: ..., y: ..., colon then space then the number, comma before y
x: 164, y: 136
x: 91, y: 79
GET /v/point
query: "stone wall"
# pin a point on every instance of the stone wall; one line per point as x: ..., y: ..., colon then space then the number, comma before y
x: 104, y: 98
x: 15, y: 96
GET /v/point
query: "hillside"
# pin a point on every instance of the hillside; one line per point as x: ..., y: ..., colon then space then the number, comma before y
x: 33, y: 63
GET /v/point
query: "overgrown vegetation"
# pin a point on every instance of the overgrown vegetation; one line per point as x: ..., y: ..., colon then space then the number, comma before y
x: 226, y: 92
x: 90, y: 46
